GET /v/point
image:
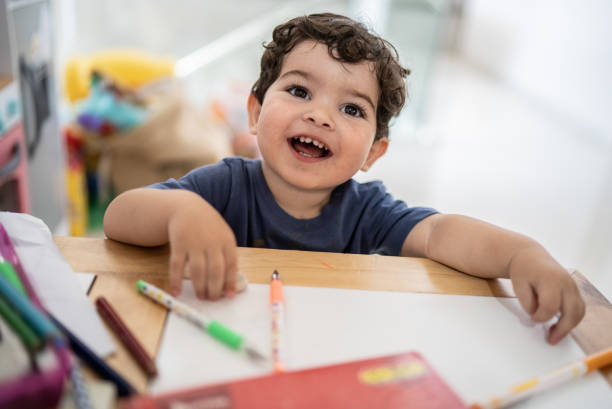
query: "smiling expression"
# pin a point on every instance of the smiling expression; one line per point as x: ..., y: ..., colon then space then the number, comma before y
x: 317, y: 123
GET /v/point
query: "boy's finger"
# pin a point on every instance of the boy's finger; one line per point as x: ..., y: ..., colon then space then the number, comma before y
x: 572, y: 312
x: 526, y: 296
x: 197, y: 270
x: 177, y: 265
x: 241, y: 282
x: 549, y: 302
x: 231, y: 271
x: 215, y: 271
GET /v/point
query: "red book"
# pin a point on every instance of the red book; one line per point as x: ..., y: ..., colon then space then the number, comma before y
x: 403, y: 381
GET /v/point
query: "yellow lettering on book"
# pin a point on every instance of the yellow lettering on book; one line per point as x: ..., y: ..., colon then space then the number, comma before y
x: 392, y: 373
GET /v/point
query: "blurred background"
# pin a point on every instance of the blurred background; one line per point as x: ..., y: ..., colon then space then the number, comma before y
x: 507, y: 118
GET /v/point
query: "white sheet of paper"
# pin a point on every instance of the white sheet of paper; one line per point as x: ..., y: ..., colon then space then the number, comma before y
x: 54, y: 281
x: 85, y: 280
x: 479, y: 345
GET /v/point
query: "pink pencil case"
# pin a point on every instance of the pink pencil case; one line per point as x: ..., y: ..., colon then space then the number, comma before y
x: 43, y: 387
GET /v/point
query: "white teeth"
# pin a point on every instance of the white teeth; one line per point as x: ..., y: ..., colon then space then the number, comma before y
x: 310, y: 140
x: 308, y: 155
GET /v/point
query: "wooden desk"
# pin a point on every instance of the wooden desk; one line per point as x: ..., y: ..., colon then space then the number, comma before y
x: 119, y: 267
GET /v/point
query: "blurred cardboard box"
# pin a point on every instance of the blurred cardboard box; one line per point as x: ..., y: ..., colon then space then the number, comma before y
x: 174, y: 139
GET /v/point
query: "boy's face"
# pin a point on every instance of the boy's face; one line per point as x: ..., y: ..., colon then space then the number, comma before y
x: 317, y: 123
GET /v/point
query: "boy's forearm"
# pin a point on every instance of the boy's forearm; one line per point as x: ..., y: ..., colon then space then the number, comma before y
x: 141, y: 216
x: 479, y: 248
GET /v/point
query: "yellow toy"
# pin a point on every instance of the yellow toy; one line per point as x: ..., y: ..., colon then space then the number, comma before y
x: 128, y: 68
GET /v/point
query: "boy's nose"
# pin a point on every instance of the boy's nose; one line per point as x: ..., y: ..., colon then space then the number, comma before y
x: 320, y: 118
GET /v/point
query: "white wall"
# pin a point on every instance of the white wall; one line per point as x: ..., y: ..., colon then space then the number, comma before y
x: 557, y: 51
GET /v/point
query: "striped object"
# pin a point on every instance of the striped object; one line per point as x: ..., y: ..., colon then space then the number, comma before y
x: 212, y: 327
x: 548, y: 381
x: 79, y: 387
x: 278, y: 322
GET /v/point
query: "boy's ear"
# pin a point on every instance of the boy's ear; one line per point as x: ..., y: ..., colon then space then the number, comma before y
x: 253, y: 108
x: 378, y: 149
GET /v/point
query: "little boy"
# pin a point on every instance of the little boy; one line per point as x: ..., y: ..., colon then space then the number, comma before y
x: 320, y: 110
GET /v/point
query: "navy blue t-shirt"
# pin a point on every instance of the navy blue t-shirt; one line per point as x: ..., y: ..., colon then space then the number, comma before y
x: 359, y: 218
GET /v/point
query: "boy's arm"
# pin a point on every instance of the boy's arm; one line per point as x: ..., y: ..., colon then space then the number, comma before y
x: 141, y: 216
x: 197, y: 233
x: 542, y: 285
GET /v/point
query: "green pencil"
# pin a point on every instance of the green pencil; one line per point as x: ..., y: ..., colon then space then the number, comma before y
x: 7, y: 270
x: 30, y: 339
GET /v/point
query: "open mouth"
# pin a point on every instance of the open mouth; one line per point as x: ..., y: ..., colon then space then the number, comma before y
x: 309, y: 147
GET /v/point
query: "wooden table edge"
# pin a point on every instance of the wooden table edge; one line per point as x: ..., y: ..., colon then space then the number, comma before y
x: 590, y: 336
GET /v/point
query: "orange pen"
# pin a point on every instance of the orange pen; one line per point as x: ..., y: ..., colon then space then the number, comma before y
x: 536, y: 385
x: 278, y: 322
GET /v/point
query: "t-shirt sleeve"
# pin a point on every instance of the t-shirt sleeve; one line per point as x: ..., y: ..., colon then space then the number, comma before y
x: 390, y: 221
x: 211, y: 182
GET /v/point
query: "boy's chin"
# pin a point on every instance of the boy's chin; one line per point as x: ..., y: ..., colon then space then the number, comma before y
x: 315, y: 182
x: 308, y: 176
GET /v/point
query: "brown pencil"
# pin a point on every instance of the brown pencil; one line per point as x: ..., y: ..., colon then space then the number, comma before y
x: 125, y: 335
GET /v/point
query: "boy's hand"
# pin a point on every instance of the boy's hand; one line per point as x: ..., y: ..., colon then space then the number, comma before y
x: 545, y: 289
x: 200, y: 239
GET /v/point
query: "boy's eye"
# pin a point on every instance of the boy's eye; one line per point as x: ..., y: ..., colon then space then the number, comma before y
x: 353, y: 110
x: 299, y: 92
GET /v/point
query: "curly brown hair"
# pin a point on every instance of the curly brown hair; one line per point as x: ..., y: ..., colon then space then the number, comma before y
x: 348, y: 41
